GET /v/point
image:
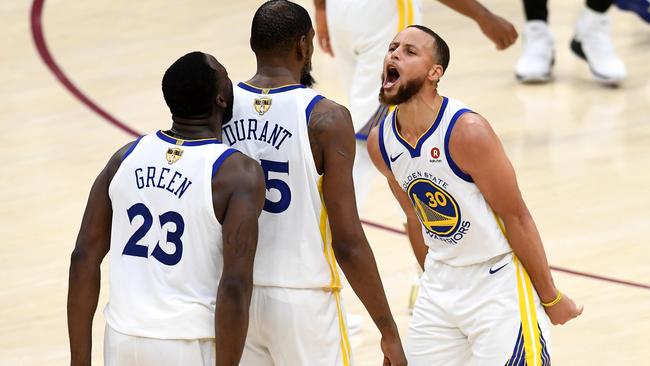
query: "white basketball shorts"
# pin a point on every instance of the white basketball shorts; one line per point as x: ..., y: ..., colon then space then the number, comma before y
x: 125, y: 350
x: 296, y: 327
x: 486, y: 314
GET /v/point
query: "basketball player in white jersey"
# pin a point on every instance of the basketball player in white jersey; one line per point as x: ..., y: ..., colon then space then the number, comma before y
x: 487, y: 293
x: 356, y: 33
x: 177, y: 212
x: 305, y: 145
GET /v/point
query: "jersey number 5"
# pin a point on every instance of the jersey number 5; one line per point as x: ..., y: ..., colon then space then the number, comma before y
x: 132, y: 247
x: 285, y: 193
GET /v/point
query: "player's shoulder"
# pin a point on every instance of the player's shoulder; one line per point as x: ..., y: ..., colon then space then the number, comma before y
x: 118, y: 156
x: 328, y: 114
x: 237, y: 170
x: 472, y: 127
x: 473, y: 134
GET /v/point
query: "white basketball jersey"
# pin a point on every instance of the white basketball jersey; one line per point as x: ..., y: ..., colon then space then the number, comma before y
x: 458, y: 224
x: 166, y: 248
x: 270, y: 125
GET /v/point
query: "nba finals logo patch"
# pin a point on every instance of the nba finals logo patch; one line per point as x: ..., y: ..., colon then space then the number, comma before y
x: 173, y: 155
x: 436, y: 208
x: 262, y: 105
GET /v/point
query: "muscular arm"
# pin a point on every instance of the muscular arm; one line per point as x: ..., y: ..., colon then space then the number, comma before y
x: 497, y: 29
x: 93, y: 242
x: 238, y: 198
x: 413, y: 226
x: 332, y: 138
x: 478, y: 152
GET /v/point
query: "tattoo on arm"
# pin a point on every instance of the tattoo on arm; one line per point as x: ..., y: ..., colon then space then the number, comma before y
x: 324, y: 125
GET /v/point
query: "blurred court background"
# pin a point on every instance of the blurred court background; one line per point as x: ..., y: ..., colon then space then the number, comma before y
x: 582, y: 153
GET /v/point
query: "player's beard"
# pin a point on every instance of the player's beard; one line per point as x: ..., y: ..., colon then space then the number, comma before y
x: 405, y: 92
x: 305, y: 76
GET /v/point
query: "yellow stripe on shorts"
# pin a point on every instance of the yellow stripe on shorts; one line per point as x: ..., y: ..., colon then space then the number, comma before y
x: 528, y: 313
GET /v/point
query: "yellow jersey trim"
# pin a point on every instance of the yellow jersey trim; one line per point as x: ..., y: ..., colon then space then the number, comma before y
x: 335, y: 284
x: 433, y: 125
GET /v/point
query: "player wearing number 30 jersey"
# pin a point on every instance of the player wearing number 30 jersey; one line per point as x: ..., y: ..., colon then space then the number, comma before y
x: 177, y: 210
x: 305, y: 145
x: 487, y: 294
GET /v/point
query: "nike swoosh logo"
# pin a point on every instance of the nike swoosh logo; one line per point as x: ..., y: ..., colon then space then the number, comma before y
x: 493, y: 271
x: 392, y: 159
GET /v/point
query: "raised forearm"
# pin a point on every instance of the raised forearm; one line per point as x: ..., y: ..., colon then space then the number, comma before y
x: 83, y: 294
x: 319, y: 4
x: 527, y: 245
x: 358, y: 263
x: 470, y: 8
x: 231, y: 319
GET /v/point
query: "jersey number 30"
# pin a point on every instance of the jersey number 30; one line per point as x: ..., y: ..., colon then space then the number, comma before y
x: 132, y: 247
x: 285, y: 193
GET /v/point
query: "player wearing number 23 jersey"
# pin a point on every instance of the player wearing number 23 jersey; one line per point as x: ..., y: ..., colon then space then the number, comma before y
x: 178, y: 210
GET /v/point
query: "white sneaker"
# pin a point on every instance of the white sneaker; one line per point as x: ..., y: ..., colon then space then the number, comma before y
x: 534, y: 65
x: 593, y: 43
x: 354, y: 323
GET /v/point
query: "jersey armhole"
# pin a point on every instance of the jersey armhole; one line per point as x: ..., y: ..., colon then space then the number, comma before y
x: 221, y: 159
x: 452, y: 164
x: 130, y: 150
x: 382, y: 146
x: 311, y: 106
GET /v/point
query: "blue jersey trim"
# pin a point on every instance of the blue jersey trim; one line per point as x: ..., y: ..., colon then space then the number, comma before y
x: 254, y: 89
x: 450, y: 161
x: 220, y: 160
x: 311, y: 106
x: 415, y: 151
x: 130, y: 150
x: 382, y: 147
x: 361, y: 136
x: 181, y: 142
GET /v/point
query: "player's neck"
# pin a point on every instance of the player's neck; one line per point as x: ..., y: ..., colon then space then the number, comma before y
x: 273, y: 74
x: 418, y: 114
x: 196, y: 129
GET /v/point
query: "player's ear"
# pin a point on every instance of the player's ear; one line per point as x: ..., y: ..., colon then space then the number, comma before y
x: 303, y: 47
x: 435, y: 73
x: 221, y: 101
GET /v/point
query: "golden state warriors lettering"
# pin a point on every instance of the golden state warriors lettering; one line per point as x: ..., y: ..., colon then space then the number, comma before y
x: 437, y: 210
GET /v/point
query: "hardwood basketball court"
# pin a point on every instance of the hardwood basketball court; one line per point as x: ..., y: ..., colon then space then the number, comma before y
x: 581, y: 152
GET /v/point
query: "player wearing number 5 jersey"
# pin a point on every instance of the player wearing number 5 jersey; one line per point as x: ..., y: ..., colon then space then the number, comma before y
x: 305, y: 145
x: 177, y: 210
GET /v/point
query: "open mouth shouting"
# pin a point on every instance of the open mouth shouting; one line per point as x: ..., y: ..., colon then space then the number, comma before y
x: 391, y: 76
